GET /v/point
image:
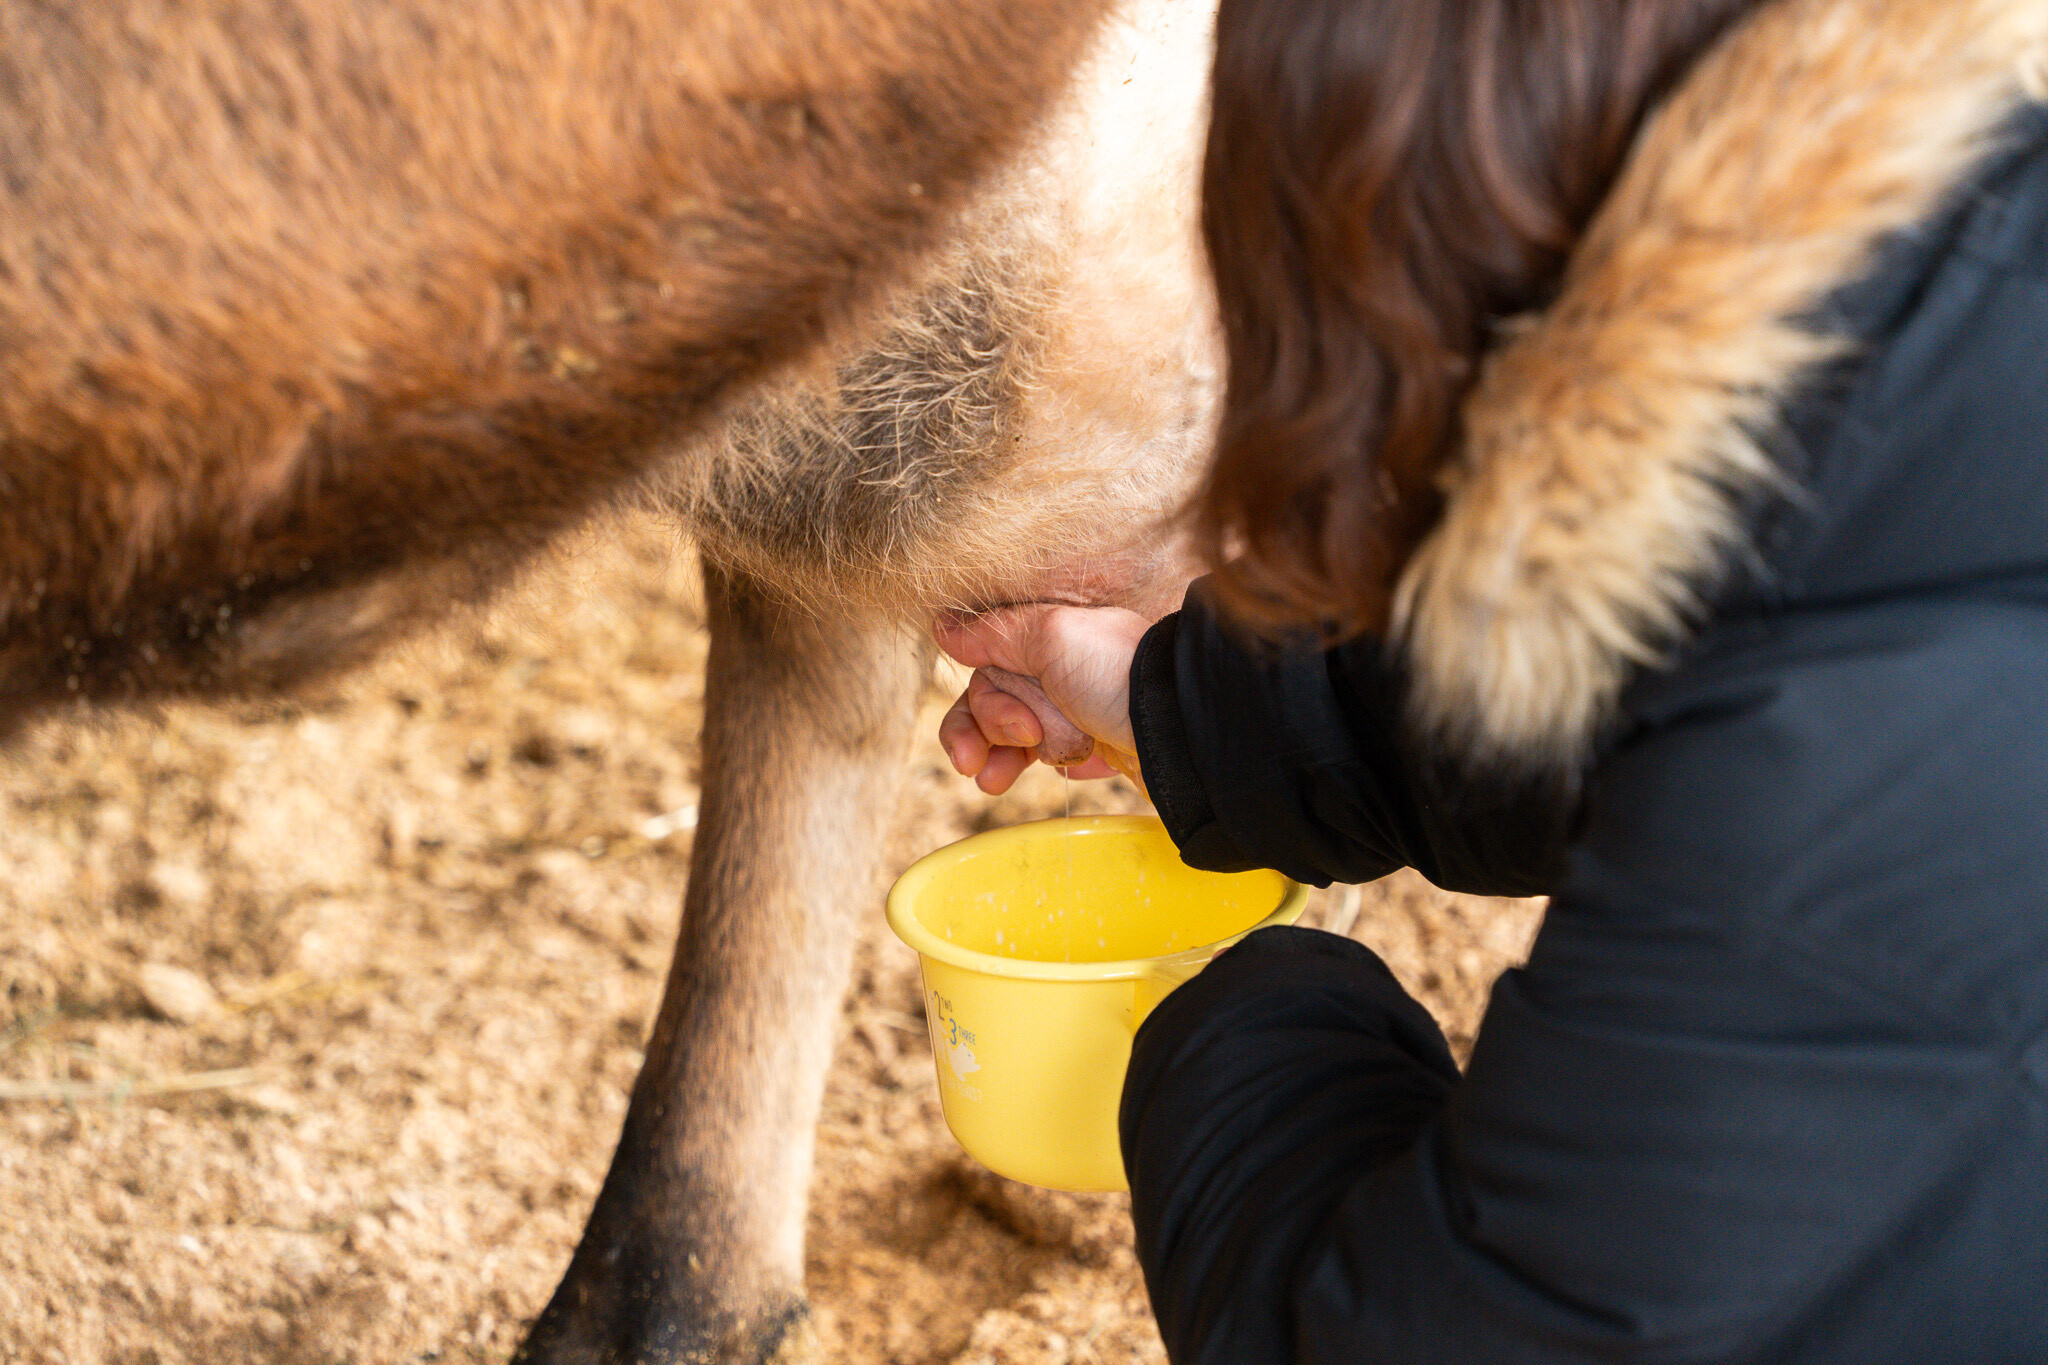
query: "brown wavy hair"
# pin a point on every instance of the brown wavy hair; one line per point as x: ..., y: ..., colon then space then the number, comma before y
x: 1386, y: 182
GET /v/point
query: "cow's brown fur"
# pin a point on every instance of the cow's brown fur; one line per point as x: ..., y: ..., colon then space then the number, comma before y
x: 318, y: 316
x: 1023, y: 423
x: 1020, y: 423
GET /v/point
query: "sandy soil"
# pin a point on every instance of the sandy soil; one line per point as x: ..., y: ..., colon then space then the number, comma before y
x: 317, y: 1020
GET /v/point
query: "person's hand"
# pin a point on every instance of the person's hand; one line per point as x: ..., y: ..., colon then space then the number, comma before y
x: 1079, y: 656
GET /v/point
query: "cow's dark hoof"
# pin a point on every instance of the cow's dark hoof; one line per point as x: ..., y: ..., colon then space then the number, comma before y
x: 624, y: 1331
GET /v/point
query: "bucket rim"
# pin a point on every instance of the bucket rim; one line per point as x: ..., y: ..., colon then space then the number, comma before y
x: 920, y: 874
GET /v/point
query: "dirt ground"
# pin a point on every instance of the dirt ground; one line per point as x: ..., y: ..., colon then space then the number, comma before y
x: 317, y: 1020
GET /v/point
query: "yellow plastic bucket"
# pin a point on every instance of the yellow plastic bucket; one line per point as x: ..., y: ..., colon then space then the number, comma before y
x: 1044, y: 946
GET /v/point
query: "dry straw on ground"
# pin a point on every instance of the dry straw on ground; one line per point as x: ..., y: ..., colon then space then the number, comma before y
x: 317, y: 1020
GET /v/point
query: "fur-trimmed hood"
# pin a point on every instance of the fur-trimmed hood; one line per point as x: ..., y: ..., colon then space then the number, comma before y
x: 1612, y: 444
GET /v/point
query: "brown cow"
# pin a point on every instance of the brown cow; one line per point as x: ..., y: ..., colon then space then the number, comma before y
x: 318, y: 317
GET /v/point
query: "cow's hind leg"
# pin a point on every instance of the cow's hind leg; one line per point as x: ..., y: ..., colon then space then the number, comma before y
x: 694, y: 1252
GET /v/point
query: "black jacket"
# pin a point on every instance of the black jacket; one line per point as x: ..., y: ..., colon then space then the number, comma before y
x: 1773, y: 1085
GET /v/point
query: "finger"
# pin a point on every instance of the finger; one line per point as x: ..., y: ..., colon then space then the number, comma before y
x: 1095, y: 765
x: 960, y: 735
x: 1004, y: 717
x: 1005, y: 764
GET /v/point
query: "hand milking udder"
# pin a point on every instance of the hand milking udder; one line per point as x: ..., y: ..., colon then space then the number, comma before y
x: 1051, y: 684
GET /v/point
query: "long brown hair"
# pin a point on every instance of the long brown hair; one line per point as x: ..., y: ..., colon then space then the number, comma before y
x: 1387, y: 181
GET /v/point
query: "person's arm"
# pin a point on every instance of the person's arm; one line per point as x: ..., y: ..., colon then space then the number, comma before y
x: 1294, y: 757
x: 1288, y: 757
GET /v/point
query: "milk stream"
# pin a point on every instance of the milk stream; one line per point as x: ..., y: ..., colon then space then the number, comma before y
x: 1065, y: 897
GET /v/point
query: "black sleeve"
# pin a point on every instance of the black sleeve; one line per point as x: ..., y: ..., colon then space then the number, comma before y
x: 1292, y: 758
x: 1773, y: 1086
x: 1299, y: 1060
